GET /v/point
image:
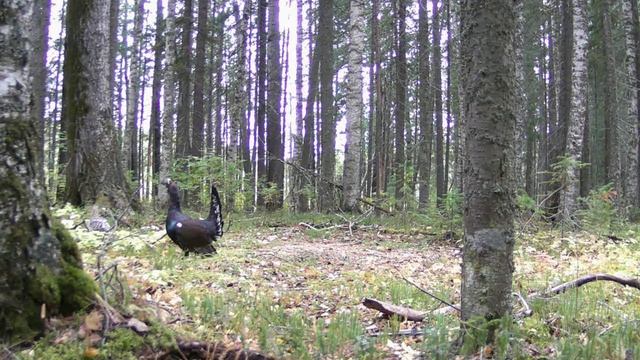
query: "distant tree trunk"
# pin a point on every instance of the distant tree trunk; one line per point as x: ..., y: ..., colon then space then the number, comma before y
x: 488, y: 65
x: 552, y: 119
x: 261, y: 78
x: 447, y: 145
x: 114, y: 19
x: 219, y: 88
x: 130, y: 148
x: 328, y: 127
x: 156, y: 128
x: 351, y: 174
x: 183, y: 74
x: 308, y: 154
x: 238, y: 87
x: 274, y: 92
x: 94, y: 168
x: 298, y: 136
x: 585, y: 172
x: 521, y: 99
x: 197, y: 132
x: 38, y: 69
x: 378, y: 182
x: 56, y: 121
x: 541, y: 159
x: 166, y: 159
x: 245, y: 134
x: 41, y: 267
x: 578, y: 110
x: 611, y: 154
x: 437, y: 84
x: 631, y: 195
x: 401, y: 99
x: 426, y: 108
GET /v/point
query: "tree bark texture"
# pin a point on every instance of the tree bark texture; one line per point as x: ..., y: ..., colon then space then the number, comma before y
x: 488, y: 66
x: 169, y: 99
x: 156, y: 88
x: 437, y: 96
x: 401, y: 99
x: 183, y: 75
x: 578, y: 110
x: 197, y: 132
x: 425, y: 103
x: 94, y: 168
x: 631, y: 195
x: 326, y: 199
x: 40, y: 264
x: 355, y: 105
x: 611, y: 154
x: 275, y: 173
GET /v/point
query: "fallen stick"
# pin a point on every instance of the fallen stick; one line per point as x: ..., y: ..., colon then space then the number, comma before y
x: 634, y: 283
x: 389, y: 309
x: 431, y: 295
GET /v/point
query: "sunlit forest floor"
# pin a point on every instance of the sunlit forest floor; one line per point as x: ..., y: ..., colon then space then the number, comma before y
x: 291, y: 286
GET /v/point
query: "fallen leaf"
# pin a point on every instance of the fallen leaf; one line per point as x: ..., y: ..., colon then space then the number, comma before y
x: 93, y: 321
x: 137, y: 326
x: 91, y: 352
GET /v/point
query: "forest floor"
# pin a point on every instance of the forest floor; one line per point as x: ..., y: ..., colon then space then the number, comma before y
x: 293, y: 289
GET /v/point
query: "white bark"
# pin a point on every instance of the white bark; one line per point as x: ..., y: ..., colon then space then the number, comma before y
x: 578, y: 111
x: 351, y: 175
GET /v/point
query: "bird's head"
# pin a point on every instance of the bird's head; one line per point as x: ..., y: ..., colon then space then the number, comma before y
x: 167, y: 182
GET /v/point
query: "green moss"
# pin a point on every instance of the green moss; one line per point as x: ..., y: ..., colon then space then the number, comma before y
x: 122, y: 344
x: 68, y: 246
x: 78, y: 289
x: 44, y: 287
x: 161, y: 337
x: 70, y: 351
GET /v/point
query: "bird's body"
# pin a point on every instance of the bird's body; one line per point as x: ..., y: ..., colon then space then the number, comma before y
x: 190, y: 234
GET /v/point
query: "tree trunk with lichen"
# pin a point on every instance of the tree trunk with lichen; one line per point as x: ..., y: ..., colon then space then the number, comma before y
x: 94, y: 170
x: 488, y: 66
x: 39, y: 261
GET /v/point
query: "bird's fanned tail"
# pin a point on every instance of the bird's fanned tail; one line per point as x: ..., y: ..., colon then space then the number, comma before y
x: 215, y: 213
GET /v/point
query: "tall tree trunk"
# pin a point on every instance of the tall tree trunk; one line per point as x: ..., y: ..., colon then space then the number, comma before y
x: 447, y: 145
x: 488, y: 63
x: 167, y: 154
x: 245, y: 134
x: 56, y: 125
x: 401, y: 99
x: 197, y: 132
x: 114, y: 19
x: 38, y: 69
x: 351, y: 174
x: 379, y: 151
x: 298, y: 137
x: 275, y: 173
x: 437, y: 84
x: 308, y: 154
x: 578, y: 110
x: 611, y: 154
x: 41, y: 265
x: 94, y: 168
x: 426, y: 108
x: 631, y: 194
x: 219, y: 87
x: 156, y: 128
x: 130, y: 148
x: 183, y: 74
x: 261, y: 78
x: 328, y: 126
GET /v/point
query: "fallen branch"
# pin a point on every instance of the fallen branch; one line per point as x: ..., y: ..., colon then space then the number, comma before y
x: 389, y: 309
x: 431, y: 295
x: 526, y: 312
x: 634, y: 283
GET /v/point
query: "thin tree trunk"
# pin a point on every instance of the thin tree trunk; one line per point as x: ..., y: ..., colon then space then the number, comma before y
x: 156, y: 128
x: 183, y: 74
x: 130, y: 148
x: 437, y: 83
x: 631, y: 195
x: 261, y: 68
x: 401, y: 100
x: 308, y: 154
x: 56, y: 119
x: 611, y: 154
x: 426, y: 107
x: 38, y: 68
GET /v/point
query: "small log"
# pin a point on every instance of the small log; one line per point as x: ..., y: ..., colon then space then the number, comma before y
x: 389, y: 309
x: 634, y: 283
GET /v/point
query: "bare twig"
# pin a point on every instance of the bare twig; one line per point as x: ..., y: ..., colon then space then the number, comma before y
x: 526, y: 312
x: 634, y: 283
x: 431, y: 295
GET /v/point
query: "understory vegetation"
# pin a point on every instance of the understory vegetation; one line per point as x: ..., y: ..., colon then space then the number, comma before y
x: 291, y: 286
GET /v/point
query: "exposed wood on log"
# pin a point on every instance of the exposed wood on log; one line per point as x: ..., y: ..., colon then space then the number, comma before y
x: 389, y: 309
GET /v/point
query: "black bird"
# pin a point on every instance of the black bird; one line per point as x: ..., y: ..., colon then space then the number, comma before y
x: 190, y: 234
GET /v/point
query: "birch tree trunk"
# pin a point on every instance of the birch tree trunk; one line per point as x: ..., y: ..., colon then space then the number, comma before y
x: 578, y: 111
x: 355, y: 105
x: 40, y: 265
x: 166, y: 159
x: 488, y: 66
